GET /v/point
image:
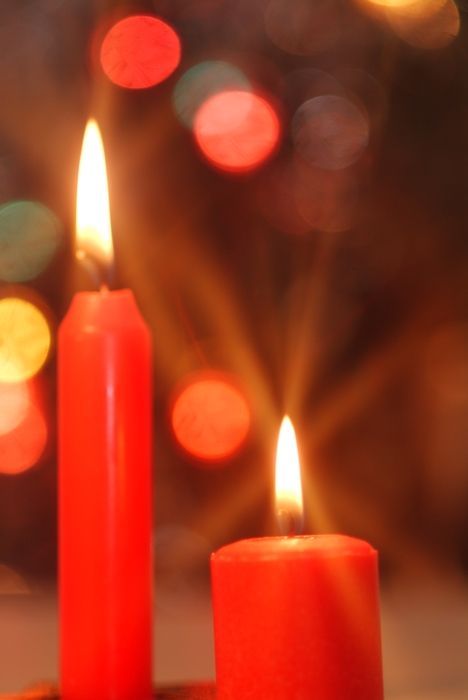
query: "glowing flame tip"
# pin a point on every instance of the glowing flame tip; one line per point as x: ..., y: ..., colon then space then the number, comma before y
x: 289, y: 505
x: 93, y: 227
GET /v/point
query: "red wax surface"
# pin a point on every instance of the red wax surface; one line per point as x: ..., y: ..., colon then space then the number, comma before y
x: 297, y: 618
x: 105, y: 499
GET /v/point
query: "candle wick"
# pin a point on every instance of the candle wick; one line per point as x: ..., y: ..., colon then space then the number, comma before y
x: 286, y: 523
x: 101, y: 276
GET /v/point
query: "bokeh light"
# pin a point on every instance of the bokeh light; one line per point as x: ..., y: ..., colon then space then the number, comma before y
x: 210, y: 417
x: 425, y: 24
x: 182, y: 559
x: 326, y: 199
x: 202, y: 82
x: 140, y: 51
x: 305, y: 83
x: 237, y: 131
x: 276, y: 198
x: 330, y: 132
x: 22, y: 447
x: 447, y: 361
x: 14, y: 402
x: 29, y: 236
x: 368, y: 91
x: 24, y: 339
x: 388, y: 3
x: 11, y: 582
x: 302, y: 27
x: 297, y: 198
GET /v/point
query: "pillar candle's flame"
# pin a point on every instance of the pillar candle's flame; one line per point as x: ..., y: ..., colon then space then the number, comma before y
x: 289, y: 507
x: 93, y: 227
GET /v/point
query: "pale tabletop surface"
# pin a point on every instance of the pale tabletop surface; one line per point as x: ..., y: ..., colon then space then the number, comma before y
x: 186, y: 691
x: 424, y: 633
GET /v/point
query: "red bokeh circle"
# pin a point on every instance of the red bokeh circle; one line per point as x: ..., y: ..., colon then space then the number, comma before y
x: 236, y: 130
x: 22, y: 447
x: 210, y: 417
x: 140, y: 51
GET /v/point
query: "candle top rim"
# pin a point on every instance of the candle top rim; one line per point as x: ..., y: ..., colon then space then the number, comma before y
x: 102, y: 311
x: 104, y: 291
x: 298, y: 547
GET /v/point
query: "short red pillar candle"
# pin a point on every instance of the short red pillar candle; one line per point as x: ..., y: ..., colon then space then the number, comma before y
x: 296, y: 618
x: 105, y: 480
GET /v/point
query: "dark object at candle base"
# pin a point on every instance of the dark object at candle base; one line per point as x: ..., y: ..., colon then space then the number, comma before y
x: 187, y: 691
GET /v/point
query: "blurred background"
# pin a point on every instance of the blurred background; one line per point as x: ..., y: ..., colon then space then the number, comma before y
x: 287, y: 187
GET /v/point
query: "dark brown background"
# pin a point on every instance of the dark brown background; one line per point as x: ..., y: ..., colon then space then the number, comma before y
x: 362, y: 336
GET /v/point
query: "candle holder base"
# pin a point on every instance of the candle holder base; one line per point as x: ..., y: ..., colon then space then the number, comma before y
x: 186, y: 691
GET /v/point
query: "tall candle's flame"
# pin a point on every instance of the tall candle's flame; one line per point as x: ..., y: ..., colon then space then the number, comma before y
x: 289, y: 507
x: 93, y: 226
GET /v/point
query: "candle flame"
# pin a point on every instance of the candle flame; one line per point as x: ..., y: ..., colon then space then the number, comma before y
x: 93, y: 227
x: 289, y: 505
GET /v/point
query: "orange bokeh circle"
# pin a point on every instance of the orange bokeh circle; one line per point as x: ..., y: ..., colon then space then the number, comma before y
x: 22, y: 447
x: 210, y: 416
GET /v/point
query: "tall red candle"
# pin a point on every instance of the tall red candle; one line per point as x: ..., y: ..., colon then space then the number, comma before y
x: 105, y: 499
x: 297, y: 618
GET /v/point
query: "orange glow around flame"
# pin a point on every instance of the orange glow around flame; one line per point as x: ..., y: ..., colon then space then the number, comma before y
x: 93, y: 226
x: 289, y: 506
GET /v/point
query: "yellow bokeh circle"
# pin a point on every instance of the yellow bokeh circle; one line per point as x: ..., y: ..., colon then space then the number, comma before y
x: 24, y: 340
